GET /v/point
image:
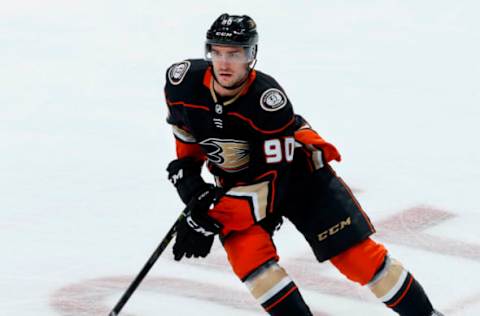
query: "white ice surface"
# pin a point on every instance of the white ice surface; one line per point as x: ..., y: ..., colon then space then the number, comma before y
x: 84, y: 198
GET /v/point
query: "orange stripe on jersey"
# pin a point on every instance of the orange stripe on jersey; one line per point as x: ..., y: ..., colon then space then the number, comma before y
x: 251, y: 79
x: 189, y: 150
x: 207, y: 79
x: 310, y: 137
x: 250, y: 122
x: 188, y: 105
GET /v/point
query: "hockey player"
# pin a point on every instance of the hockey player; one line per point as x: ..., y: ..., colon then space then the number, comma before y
x: 268, y: 163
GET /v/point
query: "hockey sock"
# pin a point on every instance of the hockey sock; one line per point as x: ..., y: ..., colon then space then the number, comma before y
x: 276, y: 291
x: 399, y: 290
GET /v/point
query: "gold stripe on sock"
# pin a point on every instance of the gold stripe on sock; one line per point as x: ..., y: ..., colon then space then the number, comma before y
x: 389, y: 281
x: 266, y: 280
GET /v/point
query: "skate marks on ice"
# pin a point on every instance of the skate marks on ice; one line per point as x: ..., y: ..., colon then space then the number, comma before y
x: 89, y: 298
x: 405, y: 228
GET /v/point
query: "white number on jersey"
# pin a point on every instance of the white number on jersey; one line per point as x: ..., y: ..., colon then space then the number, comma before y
x: 276, y: 150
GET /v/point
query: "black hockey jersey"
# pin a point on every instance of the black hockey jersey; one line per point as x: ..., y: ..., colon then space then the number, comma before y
x: 242, y: 137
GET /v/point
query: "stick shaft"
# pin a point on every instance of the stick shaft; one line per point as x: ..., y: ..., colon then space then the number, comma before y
x: 146, y: 268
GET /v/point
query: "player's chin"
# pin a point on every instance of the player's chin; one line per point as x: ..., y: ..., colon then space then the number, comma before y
x: 227, y: 83
x: 225, y: 79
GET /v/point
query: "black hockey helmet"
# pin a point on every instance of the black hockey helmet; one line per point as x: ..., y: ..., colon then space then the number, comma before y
x: 233, y: 30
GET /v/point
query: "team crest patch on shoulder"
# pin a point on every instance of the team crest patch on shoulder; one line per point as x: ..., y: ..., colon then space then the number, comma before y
x: 177, y: 72
x: 273, y: 99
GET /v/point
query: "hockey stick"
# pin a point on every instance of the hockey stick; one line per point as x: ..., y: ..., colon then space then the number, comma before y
x: 141, y: 275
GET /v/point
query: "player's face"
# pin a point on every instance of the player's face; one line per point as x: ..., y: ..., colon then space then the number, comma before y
x: 230, y: 64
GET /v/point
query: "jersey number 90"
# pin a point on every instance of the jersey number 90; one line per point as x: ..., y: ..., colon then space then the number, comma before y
x: 276, y: 150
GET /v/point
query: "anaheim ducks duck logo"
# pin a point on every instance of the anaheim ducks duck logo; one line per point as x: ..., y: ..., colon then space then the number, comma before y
x: 230, y: 155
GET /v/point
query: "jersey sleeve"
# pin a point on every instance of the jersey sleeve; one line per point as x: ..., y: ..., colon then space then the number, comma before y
x: 315, y: 146
x: 279, y: 124
x: 176, y: 79
x: 275, y: 126
x: 275, y: 111
x: 174, y: 90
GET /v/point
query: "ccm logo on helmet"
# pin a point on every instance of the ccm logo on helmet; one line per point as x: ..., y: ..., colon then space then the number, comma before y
x: 334, y: 229
x: 225, y: 34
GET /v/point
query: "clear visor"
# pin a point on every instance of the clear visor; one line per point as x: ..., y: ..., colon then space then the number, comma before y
x: 245, y: 55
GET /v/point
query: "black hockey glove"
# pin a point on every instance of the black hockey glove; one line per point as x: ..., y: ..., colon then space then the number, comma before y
x: 185, y: 176
x: 196, y: 232
x: 271, y: 223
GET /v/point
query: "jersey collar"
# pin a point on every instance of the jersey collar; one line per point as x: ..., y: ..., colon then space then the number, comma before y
x: 208, y: 82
